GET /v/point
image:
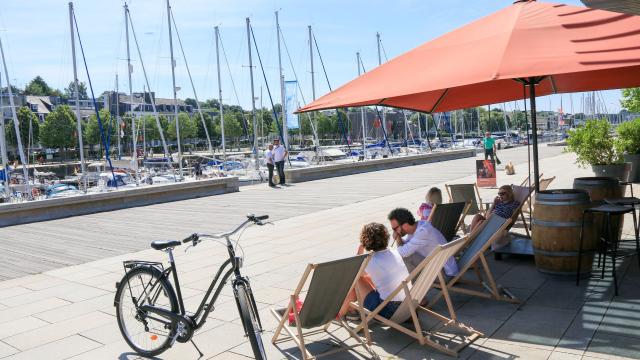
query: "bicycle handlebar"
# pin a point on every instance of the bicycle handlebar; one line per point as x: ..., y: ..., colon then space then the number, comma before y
x: 251, y: 218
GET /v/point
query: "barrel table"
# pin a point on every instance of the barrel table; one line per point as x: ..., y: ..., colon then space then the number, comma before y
x: 600, y: 188
x: 556, y: 227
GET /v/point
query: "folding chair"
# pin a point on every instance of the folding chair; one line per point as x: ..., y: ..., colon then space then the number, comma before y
x: 544, y: 185
x: 474, y: 256
x: 466, y: 193
x: 415, y: 287
x: 521, y: 194
x: 525, y: 182
x: 330, y: 284
x: 448, y: 218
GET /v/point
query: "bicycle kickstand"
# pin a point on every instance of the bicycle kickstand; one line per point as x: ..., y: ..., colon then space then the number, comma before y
x: 196, y: 346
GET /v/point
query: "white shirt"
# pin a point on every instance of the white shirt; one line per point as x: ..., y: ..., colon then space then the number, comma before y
x: 423, y: 241
x: 387, y: 271
x: 278, y: 153
x: 268, y: 157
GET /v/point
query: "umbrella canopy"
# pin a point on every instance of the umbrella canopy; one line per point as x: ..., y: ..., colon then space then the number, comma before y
x: 574, y: 48
x: 623, y: 6
x: 524, y: 50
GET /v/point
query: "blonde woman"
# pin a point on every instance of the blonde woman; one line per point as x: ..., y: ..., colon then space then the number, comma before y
x: 503, y: 205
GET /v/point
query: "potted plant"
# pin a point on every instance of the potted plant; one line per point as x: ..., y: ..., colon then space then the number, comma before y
x: 595, y: 145
x: 629, y: 145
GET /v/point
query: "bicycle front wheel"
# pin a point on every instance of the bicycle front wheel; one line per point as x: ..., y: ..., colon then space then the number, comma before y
x: 249, y: 315
x: 147, y: 335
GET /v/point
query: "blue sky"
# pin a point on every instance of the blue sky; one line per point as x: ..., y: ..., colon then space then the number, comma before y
x: 36, y: 39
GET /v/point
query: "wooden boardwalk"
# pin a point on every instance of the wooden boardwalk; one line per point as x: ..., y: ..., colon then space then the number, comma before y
x: 38, y: 247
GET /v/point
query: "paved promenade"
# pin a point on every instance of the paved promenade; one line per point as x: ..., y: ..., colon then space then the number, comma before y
x: 65, y: 310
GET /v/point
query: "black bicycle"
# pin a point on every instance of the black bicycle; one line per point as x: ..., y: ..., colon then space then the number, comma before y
x: 151, y: 314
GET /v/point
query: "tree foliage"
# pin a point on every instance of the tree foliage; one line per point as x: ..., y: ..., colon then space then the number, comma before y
x: 188, y: 128
x: 91, y: 129
x: 594, y: 144
x: 26, y: 118
x: 59, y: 128
x: 631, y: 99
x: 69, y: 91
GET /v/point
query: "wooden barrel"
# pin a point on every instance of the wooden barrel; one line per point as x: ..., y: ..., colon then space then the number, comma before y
x: 556, y: 227
x: 600, y: 188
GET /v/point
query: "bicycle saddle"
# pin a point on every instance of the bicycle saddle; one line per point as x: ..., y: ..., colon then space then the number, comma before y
x: 163, y: 244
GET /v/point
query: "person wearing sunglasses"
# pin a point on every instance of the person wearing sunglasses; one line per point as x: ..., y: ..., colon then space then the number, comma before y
x: 503, y: 205
x: 417, y: 239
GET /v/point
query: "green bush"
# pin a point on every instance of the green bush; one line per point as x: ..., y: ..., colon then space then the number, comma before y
x: 594, y: 144
x: 629, y: 137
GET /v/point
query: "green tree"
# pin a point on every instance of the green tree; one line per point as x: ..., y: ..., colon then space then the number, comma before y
x: 232, y: 127
x: 91, y: 130
x: 631, y: 99
x: 26, y: 118
x: 69, y: 91
x: 38, y: 87
x: 59, y: 129
x: 188, y: 128
x: 208, y: 120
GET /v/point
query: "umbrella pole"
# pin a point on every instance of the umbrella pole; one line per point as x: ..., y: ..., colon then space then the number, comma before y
x: 534, y: 130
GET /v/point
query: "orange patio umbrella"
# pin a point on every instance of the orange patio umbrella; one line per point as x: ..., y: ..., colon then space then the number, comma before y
x: 527, y: 49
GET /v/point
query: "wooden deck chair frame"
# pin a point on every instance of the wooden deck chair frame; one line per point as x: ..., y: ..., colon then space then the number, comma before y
x: 544, y: 185
x: 460, y: 222
x: 525, y: 182
x: 477, y: 261
x: 518, y: 213
x: 298, y: 335
x: 420, y: 280
x: 478, y: 198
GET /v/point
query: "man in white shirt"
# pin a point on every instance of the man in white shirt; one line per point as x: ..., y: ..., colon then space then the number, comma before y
x: 268, y: 160
x: 279, y: 155
x: 420, y: 239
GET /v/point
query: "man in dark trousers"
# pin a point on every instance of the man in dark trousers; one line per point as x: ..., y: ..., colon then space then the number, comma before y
x: 268, y: 160
x: 279, y: 156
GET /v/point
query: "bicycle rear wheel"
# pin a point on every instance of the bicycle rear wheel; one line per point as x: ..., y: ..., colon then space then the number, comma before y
x: 249, y: 315
x: 147, y: 335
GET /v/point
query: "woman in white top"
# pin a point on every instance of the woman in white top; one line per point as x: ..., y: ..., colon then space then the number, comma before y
x: 384, y: 273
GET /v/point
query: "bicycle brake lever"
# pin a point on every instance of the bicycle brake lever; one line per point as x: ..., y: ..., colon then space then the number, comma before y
x: 188, y: 247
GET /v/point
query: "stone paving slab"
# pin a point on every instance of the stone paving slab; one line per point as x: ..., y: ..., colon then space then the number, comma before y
x: 68, y: 312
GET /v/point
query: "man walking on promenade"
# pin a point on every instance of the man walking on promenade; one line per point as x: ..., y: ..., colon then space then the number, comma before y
x: 489, y: 144
x: 279, y: 155
x: 268, y: 160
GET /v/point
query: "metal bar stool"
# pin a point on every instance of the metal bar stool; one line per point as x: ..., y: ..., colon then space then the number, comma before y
x: 608, y: 244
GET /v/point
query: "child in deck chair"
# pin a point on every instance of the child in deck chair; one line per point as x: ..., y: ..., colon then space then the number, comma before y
x: 383, y: 274
x: 434, y: 196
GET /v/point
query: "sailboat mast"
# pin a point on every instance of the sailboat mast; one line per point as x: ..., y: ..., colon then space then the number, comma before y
x: 224, y: 148
x: 134, y: 137
x: 3, y: 145
x: 253, y: 97
x: 175, y: 89
x: 384, y: 112
x: 77, y: 93
x: 25, y: 171
x: 118, y: 118
x: 362, y: 122
x: 285, y: 130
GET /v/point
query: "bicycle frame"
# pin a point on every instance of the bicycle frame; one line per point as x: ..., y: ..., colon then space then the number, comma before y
x: 232, y: 267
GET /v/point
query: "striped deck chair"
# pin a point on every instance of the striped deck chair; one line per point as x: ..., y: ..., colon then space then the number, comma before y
x: 330, y: 284
x: 448, y: 218
x: 480, y: 240
x: 415, y: 287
